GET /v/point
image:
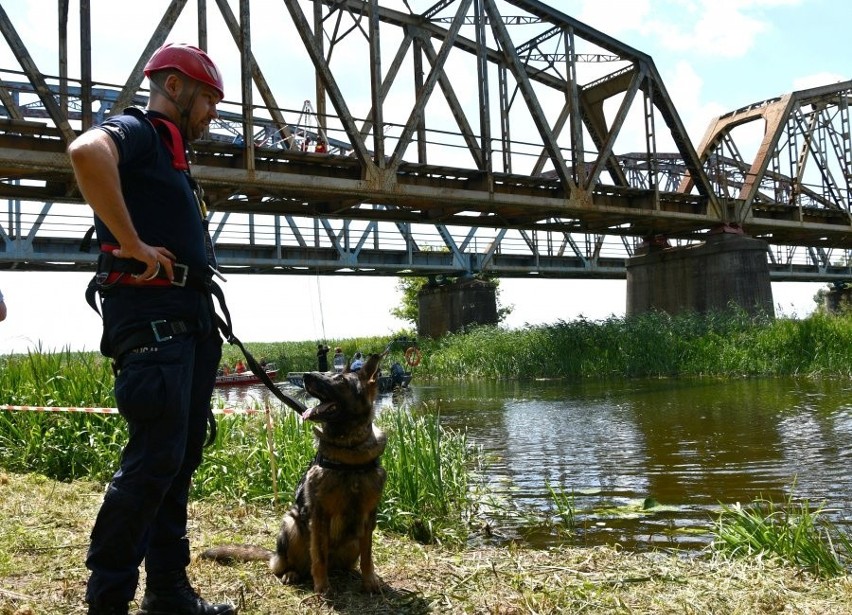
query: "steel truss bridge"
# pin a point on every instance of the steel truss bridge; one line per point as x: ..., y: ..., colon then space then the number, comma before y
x: 467, y: 136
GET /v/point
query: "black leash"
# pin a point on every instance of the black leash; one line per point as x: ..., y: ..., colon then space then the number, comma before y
x: 163, y: 330
x: 227, y: 330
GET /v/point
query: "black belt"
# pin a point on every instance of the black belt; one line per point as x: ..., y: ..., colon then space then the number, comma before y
x: 113, y: 272
x: 163, y: 330
x: 157, y: 332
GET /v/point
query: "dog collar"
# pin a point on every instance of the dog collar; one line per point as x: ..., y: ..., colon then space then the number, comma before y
x: 328, y: 464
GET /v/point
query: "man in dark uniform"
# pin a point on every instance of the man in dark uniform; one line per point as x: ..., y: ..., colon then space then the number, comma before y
x: 159, y: 329
x: 322, y: 357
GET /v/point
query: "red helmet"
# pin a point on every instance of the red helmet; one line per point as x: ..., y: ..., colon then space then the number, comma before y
x: 191, y: 61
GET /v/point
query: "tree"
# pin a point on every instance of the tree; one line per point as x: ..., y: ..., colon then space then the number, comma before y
x: 821, y: 299
x: 407, y: 309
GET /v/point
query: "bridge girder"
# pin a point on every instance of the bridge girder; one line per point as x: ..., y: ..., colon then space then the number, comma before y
x: 418, y: 150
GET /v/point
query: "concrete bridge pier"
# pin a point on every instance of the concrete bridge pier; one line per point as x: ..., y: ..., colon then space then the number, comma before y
x: 727, y: 268
x: 838, y: 299
x: 451, y: 307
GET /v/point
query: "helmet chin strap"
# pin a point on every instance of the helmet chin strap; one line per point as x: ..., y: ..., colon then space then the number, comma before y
x: 184, y: 110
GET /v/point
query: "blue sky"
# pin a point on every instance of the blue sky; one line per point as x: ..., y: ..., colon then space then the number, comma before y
x: 718, y: 55
x: 713, y: 56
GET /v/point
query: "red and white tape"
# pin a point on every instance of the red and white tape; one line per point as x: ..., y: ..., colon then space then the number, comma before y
x: 229, y: 411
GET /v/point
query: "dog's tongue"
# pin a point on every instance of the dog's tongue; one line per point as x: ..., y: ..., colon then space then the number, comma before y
x: 320, y: 412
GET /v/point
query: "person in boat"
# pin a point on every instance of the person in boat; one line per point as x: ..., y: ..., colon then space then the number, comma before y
x: 339, y: 360
x: 322, y: 357
x: 357, y: 362
x: 240, y: 367
x: 397, y: 373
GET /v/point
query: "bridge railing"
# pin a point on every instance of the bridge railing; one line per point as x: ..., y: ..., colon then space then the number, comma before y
x: 50, y: 236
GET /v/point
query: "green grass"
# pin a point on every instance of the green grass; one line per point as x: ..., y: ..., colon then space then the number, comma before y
x: 793, y: 532
x: 428, y: 494
x: 46, y: 524
x: 62, y: 378
x: 432, y: 492
x: 730, y: 344
x: 564, y: 509
x: 63, y: 446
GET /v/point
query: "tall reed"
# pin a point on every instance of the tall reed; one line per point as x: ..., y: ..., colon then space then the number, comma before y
x: 62, y: 446
x: 239, y: 465
x: 792, y: 532
x: 63, y: 378
x: 430, y: 491
x: 728, y: 344
x: 428, y: 494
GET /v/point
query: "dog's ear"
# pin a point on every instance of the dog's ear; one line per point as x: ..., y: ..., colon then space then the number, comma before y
x: 370, y: 370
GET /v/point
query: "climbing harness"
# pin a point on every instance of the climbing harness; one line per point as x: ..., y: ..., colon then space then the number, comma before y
x: 113, y: 271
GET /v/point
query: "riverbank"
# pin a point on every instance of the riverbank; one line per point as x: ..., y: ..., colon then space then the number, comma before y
x: 46, y: 525
x: 652, y: 345
x: 732, y: 344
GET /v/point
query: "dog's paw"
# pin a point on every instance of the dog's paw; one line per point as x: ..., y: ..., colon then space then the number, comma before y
x: 371, y: 584
x: 321, y: 587
x: 290, y: 578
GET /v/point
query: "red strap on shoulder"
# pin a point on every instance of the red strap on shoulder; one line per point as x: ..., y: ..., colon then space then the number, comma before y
x: 174, y: 142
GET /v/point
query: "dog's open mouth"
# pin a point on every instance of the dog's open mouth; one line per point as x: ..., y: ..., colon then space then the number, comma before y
x: 323, y: 411
x: 326, y: 409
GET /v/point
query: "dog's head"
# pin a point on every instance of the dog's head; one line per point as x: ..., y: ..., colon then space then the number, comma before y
x: 343, y: 396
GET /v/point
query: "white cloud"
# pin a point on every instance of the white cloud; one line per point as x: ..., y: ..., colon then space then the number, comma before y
x: 724, y: 28
x: 685, y: 88
x: 613, y: 17
x: 816, y: 80
x: 710, y: 28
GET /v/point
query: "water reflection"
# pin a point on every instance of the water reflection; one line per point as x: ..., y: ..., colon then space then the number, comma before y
x: 689, y: 445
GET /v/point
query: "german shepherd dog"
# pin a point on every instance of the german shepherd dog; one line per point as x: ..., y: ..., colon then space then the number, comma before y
x: 332, y: 520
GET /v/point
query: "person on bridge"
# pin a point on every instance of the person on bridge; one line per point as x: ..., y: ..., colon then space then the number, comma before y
x: 159, y: 328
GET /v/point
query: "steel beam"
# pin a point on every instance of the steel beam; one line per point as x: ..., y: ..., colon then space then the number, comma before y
x: 563, y: 200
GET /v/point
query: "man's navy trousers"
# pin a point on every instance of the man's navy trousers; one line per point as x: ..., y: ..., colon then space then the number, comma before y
x: 163, y: 390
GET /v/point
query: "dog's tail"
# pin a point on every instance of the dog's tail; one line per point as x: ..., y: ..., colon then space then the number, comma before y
x: 226, y: 554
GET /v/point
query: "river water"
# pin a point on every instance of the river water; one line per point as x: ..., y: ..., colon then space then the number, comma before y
x: 649, y: 463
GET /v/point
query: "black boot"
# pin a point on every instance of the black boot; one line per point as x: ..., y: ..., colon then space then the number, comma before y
x: 172, y: 594
x: 107, y: 609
